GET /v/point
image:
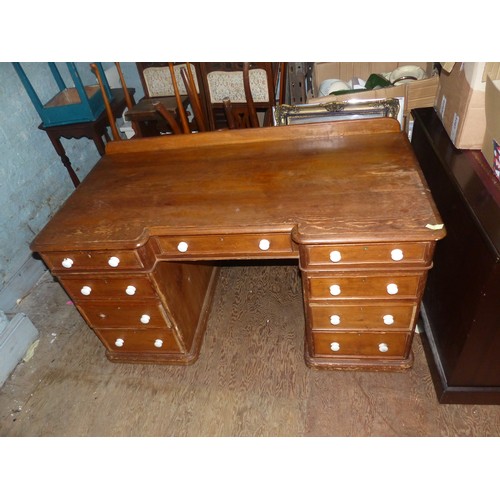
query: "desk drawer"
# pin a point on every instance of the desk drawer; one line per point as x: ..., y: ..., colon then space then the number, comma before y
x: 375, y: 254
x: 93, y: 260
x: 386, y: 316
x: 364, y: 287
x: 151, y: 340
x: 376, y: 345
x: 262, y: 245
x: 124, y: 314
x: 85, y: 287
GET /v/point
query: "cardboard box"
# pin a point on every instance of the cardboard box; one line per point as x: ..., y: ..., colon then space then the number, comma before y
x: 460, y: 101
x: 491, y: 142
x: 416, y: 93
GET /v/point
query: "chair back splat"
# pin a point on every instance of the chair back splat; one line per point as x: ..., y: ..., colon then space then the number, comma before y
x: 180, y: 106
x: 226, y: 81
x: 194, y: 100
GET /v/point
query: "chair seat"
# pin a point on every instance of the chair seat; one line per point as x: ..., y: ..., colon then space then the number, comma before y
x: 144, y: 109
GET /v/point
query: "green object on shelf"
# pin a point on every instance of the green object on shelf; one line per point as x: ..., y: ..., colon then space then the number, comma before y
x: 377, y: 81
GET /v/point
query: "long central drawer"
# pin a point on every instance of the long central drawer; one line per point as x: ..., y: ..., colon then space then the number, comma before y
x: 214, y: 246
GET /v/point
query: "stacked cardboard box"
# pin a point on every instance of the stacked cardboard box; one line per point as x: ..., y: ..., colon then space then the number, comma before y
x: 460, y: 101
x: 491, y: 141
x: 416, y: 93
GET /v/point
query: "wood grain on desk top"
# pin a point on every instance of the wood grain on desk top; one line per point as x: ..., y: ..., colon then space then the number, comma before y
x: 341, y: 180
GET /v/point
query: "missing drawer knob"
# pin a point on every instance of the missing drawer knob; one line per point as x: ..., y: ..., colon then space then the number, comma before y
x: 335, y: 319
x: 335, y: 290
x: 119, y: 342
x: 335, y: 346
x: 86, y: 290
x: 335, y: 256
x: 383, y: 347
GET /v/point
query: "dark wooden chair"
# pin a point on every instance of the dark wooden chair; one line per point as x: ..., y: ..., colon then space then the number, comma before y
x: 168, y: 116
x: 242, y: 116
x: 225, y: 82
x: 160, y: 84
x: 194, y: 99
x: 282, y: 79
x: 181, y: 125
x: 109, y: 111
x: 156, y: 79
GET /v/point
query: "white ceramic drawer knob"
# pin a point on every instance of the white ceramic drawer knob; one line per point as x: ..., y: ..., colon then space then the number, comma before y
x: 397, y: 254
x: 335, y: 319
x: 335, y: 290
x: 119, y: 342
x: 388, y: 319
x: 158, y: 343
x: 335, y: 346
x: 86, y: 290
x: 145, y: 319
x: 264, y: 244
x: 182, y: 246
x: 335, y: 256
x: 114, y: 261
x: 67, y: 263
x: 130, y: 290
x: 392, y: 289
x: 383, y: 347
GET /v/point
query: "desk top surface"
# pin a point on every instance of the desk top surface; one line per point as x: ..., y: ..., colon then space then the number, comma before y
x: 349, y: 181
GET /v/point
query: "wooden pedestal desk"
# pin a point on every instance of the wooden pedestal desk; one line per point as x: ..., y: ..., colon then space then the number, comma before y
x: 138, y: 244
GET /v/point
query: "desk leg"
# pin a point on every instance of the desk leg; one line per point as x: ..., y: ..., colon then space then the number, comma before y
x: 65, y: 160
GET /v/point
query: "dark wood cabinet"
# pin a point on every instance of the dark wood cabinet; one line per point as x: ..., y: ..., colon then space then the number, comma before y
x: 461, y: 302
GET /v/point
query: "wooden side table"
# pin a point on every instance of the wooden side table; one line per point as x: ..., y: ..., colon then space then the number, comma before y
x: 94, y: 130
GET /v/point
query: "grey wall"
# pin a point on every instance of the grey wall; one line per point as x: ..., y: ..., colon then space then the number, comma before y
x: 33, y: 181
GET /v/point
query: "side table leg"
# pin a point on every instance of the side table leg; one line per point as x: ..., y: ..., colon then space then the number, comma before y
x: 99, y: 143
x: 62, y: 153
